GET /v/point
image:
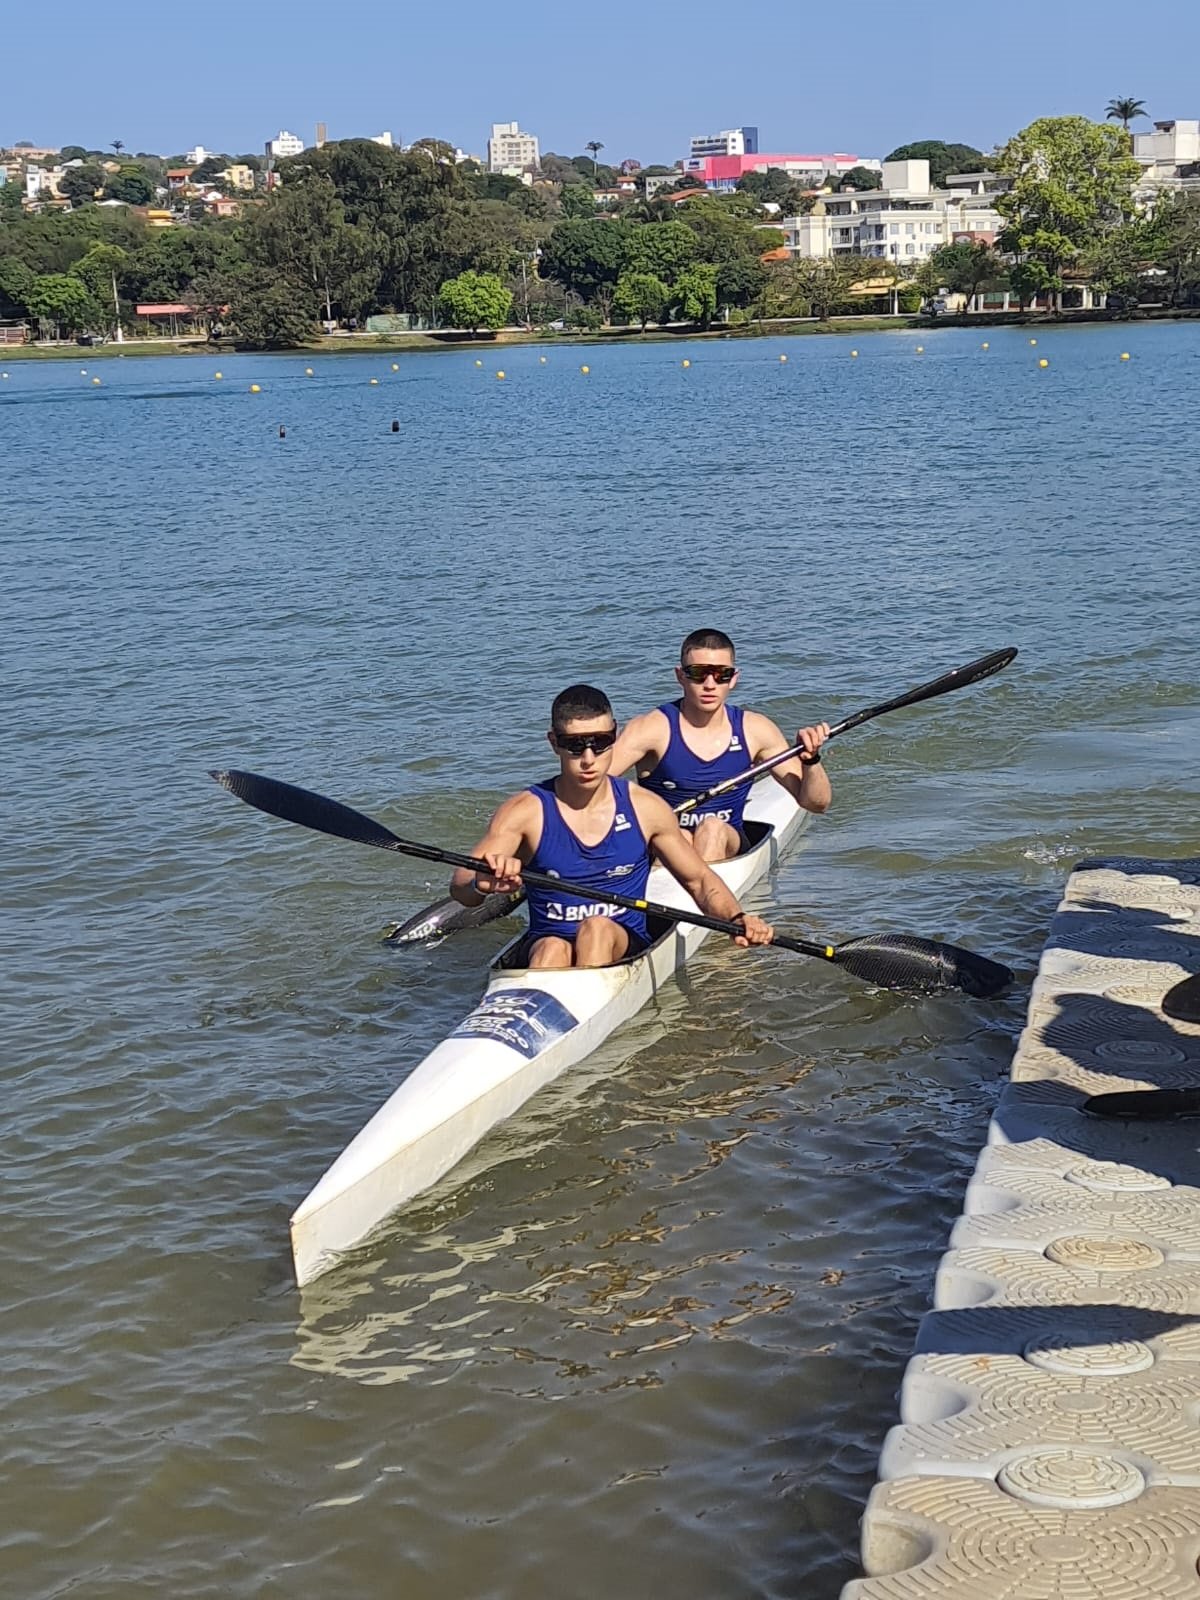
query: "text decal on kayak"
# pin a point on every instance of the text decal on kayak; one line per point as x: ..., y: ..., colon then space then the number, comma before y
x: 527, y: 1020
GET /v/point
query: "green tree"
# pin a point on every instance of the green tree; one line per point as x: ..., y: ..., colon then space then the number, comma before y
x: 943, y: 158
x: 586, y: 257
x: 79, y: 185
x: 740, y: 283
x: 11, y: 207
x: 475, y: 300
x: 863, y: 178
x: 16, y: 280
x: 577, y: 200
x: 64, y: 301
x: 131, y: 185
x: 118, y: 145
x: 210, y: 169
x: 965, y: 268
x: 1174, y: 246
x: 815, y: 288
x: 695, y: 293
x: 594, y: 147
x: 1119, y: 262
x: 302, y: 230
x: 774, y: 187
x: 1124, y: 112
x: 641, y: 297
x: 1071, y: 181
x: 270, y: 312
x: 662, y: 249
x: 99, y: 271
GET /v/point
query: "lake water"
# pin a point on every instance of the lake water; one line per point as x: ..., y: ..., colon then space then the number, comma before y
x: 648, y: 1341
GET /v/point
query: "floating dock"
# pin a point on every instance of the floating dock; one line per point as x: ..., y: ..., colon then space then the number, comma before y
x: 1049, y: 1441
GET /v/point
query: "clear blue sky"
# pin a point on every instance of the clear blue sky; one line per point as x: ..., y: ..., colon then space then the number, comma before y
x: 640, y: 77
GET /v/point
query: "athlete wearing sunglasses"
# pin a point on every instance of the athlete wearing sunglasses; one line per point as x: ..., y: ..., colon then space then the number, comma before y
x: 602, y: 832
x: 685, y: 747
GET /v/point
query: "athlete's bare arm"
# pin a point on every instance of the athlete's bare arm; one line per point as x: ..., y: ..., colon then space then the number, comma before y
x: 509, y: 843
x: 808, y: 785
x: 677, y: 853
x: 641, y: 743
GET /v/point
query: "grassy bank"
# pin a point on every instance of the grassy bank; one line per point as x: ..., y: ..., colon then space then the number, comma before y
x: 360, y: 344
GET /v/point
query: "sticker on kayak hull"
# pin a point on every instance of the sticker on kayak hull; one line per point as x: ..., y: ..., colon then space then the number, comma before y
x: 526, y: 1020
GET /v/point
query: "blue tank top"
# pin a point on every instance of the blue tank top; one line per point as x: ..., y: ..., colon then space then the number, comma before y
x: 681, y: 774
x: 620, y: 863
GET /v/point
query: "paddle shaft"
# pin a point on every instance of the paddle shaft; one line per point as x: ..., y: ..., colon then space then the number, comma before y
x: 973, y: 672
x: 893, y: 960
x: 546, y: 880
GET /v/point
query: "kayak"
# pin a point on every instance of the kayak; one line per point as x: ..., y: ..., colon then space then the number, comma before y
x: 529, y: 1028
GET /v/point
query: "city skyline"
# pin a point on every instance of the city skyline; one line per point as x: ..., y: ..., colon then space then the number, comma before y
x: 968, y: 82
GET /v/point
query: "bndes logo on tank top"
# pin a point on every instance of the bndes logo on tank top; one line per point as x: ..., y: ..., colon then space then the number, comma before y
x: 622, y: 823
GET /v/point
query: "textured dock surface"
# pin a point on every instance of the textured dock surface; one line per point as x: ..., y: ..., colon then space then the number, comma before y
x: 1049, y: 1435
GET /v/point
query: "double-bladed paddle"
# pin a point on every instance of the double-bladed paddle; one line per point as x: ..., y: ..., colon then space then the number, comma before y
x: 890, y: 960
x: 448, y: 916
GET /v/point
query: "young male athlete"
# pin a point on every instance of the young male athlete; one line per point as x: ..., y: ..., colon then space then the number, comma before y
x: 597, y: 831
x: 686, y: 747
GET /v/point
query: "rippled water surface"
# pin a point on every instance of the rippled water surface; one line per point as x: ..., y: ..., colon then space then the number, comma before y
x: 647, y: 1341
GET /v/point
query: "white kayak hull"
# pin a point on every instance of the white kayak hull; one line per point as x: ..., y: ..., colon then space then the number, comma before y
x: 528, y: 1028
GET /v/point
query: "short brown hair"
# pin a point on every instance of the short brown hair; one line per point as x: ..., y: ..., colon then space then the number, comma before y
x: 706, y: 639
x: 579, y: 703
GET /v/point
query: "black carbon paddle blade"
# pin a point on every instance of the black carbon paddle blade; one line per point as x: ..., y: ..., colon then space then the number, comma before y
x: 1182, y: 1003
x: 905, y: 961
x: 1144, y: 1105
x: 303, y: 806
x: 447, y: 917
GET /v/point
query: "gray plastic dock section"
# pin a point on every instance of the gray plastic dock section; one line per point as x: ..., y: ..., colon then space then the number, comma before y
x: 1049, y: 1442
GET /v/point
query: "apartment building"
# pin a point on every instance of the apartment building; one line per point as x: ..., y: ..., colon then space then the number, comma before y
x: 512, y: 152
x: 905, y: 221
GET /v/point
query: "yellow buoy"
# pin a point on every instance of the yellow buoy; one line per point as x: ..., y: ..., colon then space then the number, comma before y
x: 3, y: 374
x: 1124, y: 357
x: 255, y: 388
x: 1033, y: 341
x: 854, y: 352
x: 308, y: 372
x: 585, y: 369
x: 479, y: 363
x: 395, y: 366
x: 1043, y: 362
x: 985, y: 345
x: 542, y: 359
x: 216, y: 374
x: 499, y: 374
x: 95, y: 380
x: 83, y: 372
x: 783, y: 358
x: 687, y: 363
x: 375, y: 380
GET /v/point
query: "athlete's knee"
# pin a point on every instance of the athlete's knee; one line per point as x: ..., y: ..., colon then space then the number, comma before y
x: 551, y: 952
x: 715, y: 840
x: 600, y: 941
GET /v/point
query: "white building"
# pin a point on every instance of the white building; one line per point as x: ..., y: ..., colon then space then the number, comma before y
x: 1169, y: 158
x: 730, y: 142
x: 384, y: 138
x: 904, y: 222
x: 284, y: 144
x: 510, y: 151
x: 193, y: 158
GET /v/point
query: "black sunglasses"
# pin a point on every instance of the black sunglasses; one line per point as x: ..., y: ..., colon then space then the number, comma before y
x: 699, y: 670
x: 576, y: 743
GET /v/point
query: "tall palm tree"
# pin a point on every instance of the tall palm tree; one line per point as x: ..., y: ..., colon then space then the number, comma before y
x: 1124, y: 112
x: 595, y: 146
x: 118, y: 145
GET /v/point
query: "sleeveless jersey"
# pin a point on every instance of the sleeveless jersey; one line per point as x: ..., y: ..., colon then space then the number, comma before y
x: 681, y: 773
x: 620, y: 863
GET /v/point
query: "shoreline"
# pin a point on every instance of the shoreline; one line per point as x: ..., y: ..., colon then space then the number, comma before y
x: 413, y: 343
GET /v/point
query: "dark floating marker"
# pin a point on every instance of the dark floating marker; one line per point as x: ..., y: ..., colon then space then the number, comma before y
x: 283, y: 433
x: 395, y: 427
